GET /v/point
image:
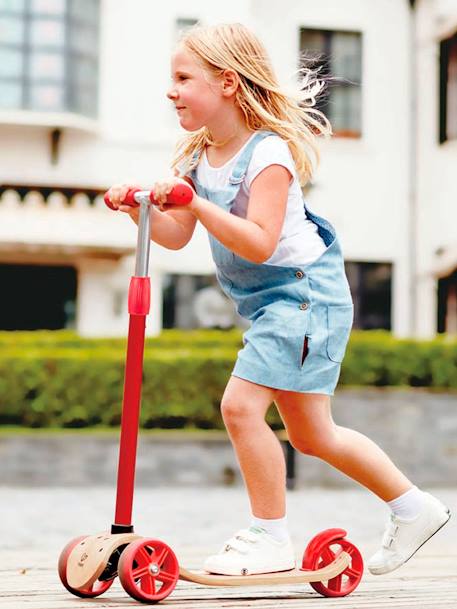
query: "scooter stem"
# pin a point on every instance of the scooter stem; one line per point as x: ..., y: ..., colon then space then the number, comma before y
x: 138, y: 307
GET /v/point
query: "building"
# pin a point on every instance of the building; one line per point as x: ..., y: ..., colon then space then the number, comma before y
x: 83, y: 106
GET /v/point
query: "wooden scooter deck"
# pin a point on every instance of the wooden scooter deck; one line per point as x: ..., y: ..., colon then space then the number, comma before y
x: 88, y: 559
x: 295, y: 576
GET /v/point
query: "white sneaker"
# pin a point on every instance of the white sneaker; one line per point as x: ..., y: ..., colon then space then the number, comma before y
x: 252, y: 551
x: 403, y: 538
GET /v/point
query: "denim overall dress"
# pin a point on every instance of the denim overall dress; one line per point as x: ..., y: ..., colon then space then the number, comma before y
x: 301, y: 316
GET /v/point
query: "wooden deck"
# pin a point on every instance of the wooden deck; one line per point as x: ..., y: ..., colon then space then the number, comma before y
x: 427, y: 582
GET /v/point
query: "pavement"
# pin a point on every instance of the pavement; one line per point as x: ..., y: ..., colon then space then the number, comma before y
x: 36, y: 524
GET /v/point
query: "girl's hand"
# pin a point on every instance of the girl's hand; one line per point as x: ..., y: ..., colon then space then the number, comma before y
x: 162, y: 189
x: 117, y: 195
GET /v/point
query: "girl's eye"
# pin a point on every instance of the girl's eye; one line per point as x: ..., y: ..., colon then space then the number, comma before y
x: 183, y: 78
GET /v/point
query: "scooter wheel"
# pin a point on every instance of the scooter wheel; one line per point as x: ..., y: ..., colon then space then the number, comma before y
x: 321, y: 551
x: 96, y: 589
x: 148, y: 570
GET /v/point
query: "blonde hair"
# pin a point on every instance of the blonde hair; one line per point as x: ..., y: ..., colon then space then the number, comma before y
x: 264, y: 103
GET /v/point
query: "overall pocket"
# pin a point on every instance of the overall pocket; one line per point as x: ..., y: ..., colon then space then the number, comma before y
x: 339, y: 320
x: 279, y: 340
x: 287, y: 321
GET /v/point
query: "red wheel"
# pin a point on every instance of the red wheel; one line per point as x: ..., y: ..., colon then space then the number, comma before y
x: 97, y: 588
x: 148, y: 570
x: 322, y: 550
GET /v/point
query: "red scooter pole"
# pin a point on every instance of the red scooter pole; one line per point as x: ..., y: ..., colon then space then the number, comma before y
x: 138, y: 306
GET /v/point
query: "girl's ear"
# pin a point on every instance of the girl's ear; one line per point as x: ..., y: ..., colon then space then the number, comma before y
x: 230, y: 82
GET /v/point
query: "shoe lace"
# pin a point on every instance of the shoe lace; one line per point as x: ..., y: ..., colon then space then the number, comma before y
x: 391, y: 533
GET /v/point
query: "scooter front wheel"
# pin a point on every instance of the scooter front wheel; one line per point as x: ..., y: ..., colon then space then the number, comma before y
x: 322, y: 551
x: 148, y: 570
x: 96, y: 589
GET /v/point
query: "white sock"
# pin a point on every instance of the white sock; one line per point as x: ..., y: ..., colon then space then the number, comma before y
x: 276, y: 527
x: 409, y: 505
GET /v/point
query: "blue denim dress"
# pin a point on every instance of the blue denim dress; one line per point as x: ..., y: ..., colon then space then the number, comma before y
x: 301, y: 316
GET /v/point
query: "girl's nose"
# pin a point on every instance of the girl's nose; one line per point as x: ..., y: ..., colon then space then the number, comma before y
x: 171, y: 94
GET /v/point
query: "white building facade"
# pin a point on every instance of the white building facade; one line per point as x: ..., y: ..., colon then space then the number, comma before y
x: 83, y: 106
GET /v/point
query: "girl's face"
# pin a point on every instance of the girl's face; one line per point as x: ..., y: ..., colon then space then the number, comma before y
x: 196, y: 94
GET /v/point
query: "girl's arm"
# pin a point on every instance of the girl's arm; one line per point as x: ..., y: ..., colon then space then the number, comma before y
x: 172, y: 228
x: 256, y: 237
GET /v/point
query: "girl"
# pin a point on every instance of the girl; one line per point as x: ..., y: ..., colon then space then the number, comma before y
x: 249, y: 150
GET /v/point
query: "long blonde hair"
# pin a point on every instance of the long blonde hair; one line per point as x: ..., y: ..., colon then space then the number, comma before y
x: 264, y: 103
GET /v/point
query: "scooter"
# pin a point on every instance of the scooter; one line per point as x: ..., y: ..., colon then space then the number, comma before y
x: 147, y: 567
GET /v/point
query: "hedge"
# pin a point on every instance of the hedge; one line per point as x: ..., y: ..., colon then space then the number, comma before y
x: 50, y: 379
x: 168, y: 338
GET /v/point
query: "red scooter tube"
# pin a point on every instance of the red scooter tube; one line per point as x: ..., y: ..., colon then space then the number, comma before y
x: 180, y: 195
x: 129, y: 423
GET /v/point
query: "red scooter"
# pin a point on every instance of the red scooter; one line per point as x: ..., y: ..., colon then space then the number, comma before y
x: 148, y: 568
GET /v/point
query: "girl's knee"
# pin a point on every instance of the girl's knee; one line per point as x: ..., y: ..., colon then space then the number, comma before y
x: 244, y: 402
x: 306, y: 447
x: 234, y: 411
x: 321, y: 445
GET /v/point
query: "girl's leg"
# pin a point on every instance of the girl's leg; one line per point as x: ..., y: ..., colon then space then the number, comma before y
x: 265, y: 547
x: 244, y: 405
x: 311, y: 430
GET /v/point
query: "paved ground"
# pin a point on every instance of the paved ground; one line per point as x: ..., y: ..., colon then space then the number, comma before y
x: 36, y: 524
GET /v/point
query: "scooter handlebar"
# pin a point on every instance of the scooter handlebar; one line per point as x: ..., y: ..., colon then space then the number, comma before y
x: 180, y: 195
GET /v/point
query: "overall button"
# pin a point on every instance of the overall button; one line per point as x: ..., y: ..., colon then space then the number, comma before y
x: 304, y: 306
x: 299, y: 274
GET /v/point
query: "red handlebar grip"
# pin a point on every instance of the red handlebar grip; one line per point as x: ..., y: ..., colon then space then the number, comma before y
x: 180, y: 195
x: 108, y: 202
x: 129, y: 199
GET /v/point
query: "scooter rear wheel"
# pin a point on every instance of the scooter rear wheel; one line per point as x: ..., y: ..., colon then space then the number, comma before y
x: 148, y: 570
x: 321, y: 551
x: 96, y: 589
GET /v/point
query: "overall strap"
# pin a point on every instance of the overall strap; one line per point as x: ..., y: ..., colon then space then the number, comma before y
x: 241, y: 166
x: 324, y: 228
x: 183, y: 167
x: 193, y: 172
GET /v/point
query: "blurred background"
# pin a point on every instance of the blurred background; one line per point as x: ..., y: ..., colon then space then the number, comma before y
x: 83, y: 106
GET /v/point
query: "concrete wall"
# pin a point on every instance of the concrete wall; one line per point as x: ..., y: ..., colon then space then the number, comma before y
x: 415, y: 427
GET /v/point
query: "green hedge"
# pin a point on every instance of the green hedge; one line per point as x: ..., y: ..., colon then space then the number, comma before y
x: 168, y: 338
x: 50, y: 379
x: 377, y: 358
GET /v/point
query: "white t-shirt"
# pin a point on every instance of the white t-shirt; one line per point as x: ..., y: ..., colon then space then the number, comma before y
x: 299, y: 242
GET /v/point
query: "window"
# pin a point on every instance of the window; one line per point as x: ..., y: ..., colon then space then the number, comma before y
x: 184, y: 23
x: 196, y: 301
x: 49, y: 55
x: 371, y: 288
x: 340, y: 55
x: 54, y: 290
x: 447, y: 304
x: 448, y: 89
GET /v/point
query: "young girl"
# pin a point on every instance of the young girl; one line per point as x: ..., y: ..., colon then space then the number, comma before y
x: 249, y: 151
